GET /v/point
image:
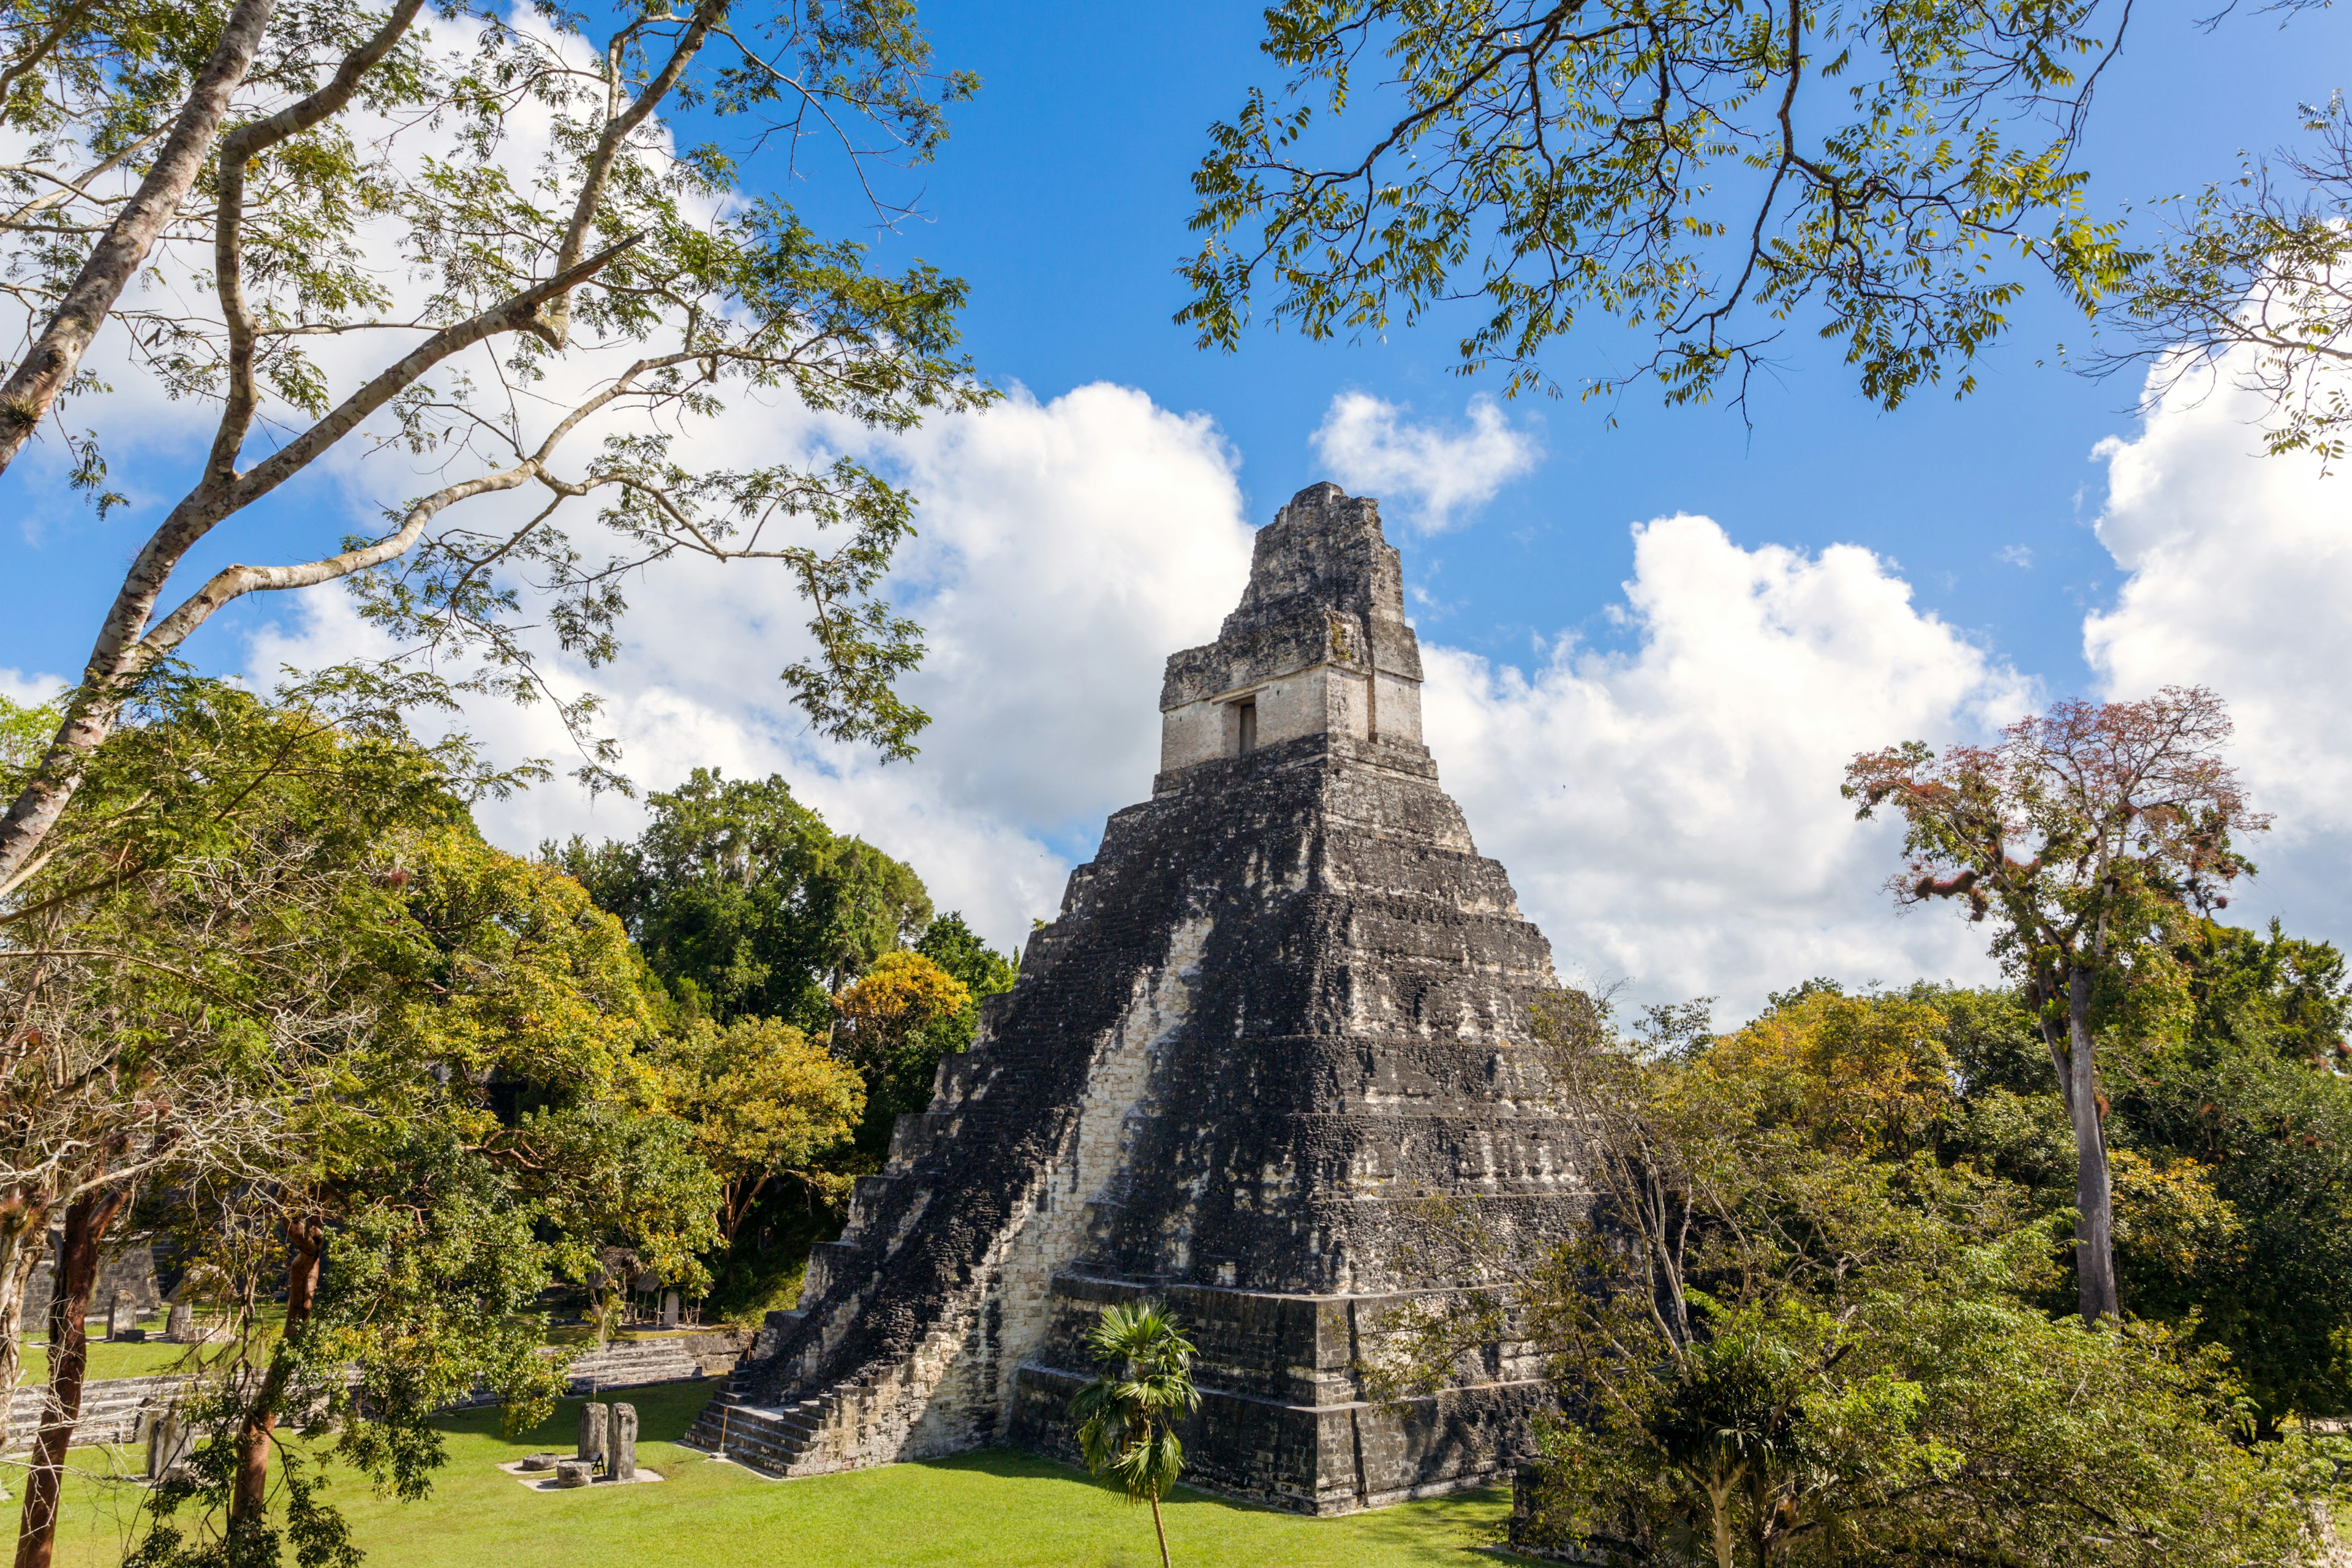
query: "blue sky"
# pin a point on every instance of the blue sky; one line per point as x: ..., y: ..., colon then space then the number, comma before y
x: 1639, y: 722
x: 1062, y: 197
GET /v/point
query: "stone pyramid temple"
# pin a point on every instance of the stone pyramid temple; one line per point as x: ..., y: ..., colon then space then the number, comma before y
x: 1285, y: 1005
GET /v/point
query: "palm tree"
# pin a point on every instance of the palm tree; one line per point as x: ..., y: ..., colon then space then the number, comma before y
x: 1126, y: 1417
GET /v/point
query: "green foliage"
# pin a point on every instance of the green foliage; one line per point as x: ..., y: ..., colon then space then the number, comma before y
x: 314, y: 1528
x: 2251, y: 284
x: 1800, y: 1334
x: 1945, y: 1426
x: 2228, y: 1139
x: 578, y: 278
x: 764, y: 1101
x: 896, y: 1024
x: 958, y: 949
x: 1702, y: 174
x: 2252, y: 1094
x: 745, y: 903
x: 24, y: 732
x: 277, y: 974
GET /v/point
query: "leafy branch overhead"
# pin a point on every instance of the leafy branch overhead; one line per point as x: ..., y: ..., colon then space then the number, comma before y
x: 2254, y: 285
x: 467, y: 240
x: 1699, y: 173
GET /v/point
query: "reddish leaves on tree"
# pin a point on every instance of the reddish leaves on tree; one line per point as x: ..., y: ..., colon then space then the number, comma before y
x: 2073, y: 796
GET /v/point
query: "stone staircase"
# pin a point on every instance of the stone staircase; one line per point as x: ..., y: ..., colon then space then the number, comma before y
x: 113, y: 1410
x: 838, y: 1429
x: 875, y: 1409
x: 633, y: 1363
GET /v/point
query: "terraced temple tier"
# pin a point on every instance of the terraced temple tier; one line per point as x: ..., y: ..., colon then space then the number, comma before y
x: 1284, y: 1003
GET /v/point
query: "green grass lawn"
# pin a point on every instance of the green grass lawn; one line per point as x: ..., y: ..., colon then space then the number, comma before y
x: 990, y: 1510
x: 109, y: 1359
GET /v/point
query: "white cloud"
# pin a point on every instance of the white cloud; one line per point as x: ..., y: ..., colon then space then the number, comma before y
x: 29, y: 691
x: 1065, y: 549
x: 1371, y: 449
x: 2015, y: 555
x: 1670, y: 814
x: 2240, y: 571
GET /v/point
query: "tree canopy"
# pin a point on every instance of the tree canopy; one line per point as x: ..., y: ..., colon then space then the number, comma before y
x: 352, y: 1051
x: 746, y: 904
x: 466, y: 234
x: 1803, y: 1332
x: 1702, y: 174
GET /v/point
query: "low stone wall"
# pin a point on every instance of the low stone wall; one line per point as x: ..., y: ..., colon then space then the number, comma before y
x: 117, y: 1409
x: 113, y: 1410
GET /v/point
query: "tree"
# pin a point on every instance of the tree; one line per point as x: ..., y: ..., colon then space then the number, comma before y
x: 494, y: 196
x: 1795, y: 1335
x: 764, y: 1101
x: 958, y: 949
x: 1126, y: 1417
x: 746, y: 904
x: 268, y: 970
x: 2093, y: 834
x: 194, y: 913
x: 86, y: 1220
x: 413, y: 1218
x: 2231, y: 1143
x: 896, y: 1024
x: 1699, y: 173
x: 2255, y: 283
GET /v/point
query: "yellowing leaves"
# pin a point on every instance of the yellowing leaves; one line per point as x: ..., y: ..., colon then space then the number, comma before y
x: 2169, y: 1219
x: 763, y: 1099
x: 903, y: 990
x: 904, y: 994
x: 513, y: 967
x: 1869, y: 1075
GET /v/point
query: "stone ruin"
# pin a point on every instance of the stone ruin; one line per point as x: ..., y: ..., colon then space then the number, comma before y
x: 608, y: 1443
x: 1286, y: 1003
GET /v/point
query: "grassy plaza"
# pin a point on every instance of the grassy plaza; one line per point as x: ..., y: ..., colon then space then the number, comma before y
x: 996, y: 1508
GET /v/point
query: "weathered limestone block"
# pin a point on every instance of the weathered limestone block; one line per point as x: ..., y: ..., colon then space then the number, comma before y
x: 620, y: 1458
x: 574, y: 1473
x: 594, y: 1429
x: 1285, y: 1004
x: 180, y: 1327
x: 171, y: 1439
x: 122, y: 1314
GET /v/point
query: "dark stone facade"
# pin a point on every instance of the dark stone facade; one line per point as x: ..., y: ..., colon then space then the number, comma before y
x: 1285, y: 1004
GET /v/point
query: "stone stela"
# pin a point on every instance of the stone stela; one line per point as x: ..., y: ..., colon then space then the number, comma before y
x: 1286, y: 1003
x: 608, y: 1443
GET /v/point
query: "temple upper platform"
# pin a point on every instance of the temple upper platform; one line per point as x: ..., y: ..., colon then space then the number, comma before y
x: 1318, y: 644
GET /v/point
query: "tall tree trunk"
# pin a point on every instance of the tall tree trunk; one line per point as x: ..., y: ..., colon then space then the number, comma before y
x: 305, y: 1245
x: 122, y: 250
x: 2095, y: 1256
x: 88, y: 1218
x: 1160, y: 1530
x: 24, y: 1237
